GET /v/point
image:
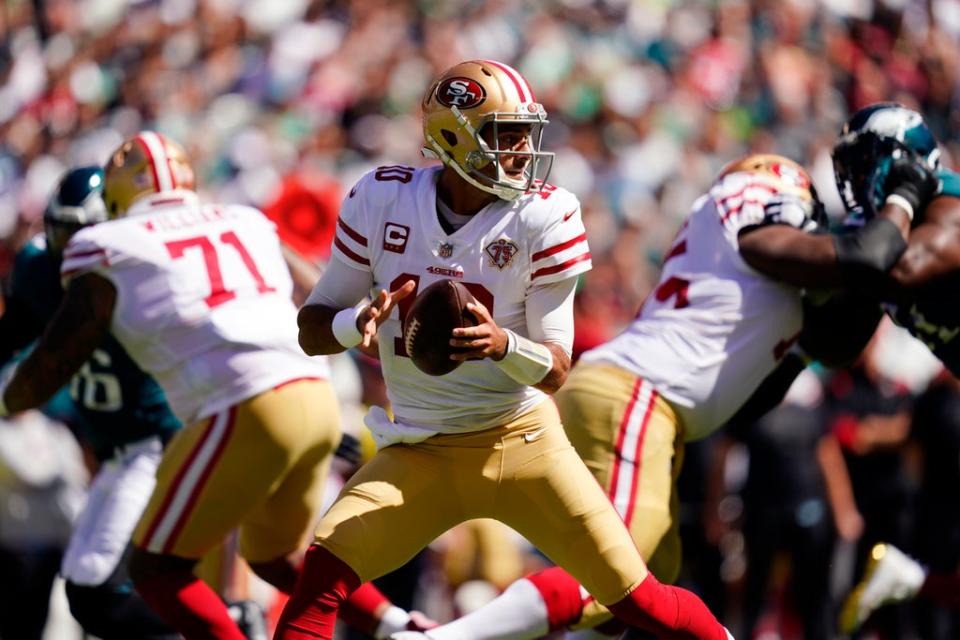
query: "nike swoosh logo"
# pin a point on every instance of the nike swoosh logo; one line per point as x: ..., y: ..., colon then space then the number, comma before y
x: 530, y: 436
x: 569, y: 214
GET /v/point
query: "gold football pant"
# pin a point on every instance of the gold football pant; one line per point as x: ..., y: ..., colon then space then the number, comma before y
x: 525, y: 474
x: 259, y: 466
x: 631, y: 440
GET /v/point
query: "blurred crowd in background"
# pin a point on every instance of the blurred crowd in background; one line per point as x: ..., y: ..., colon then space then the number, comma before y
x: 283, y: 105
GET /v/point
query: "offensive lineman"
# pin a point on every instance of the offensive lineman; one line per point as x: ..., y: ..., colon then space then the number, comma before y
x: 727, y: 310
x: 199, y: 296
x: 483, y: 440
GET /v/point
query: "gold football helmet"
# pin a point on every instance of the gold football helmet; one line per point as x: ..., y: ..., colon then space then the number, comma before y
x: 463, y: 101
x: 789, y: 177
x: 145, y: 164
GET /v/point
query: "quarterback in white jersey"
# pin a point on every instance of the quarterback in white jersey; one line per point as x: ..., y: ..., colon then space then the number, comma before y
x: 200, y: 297
x: 483, y: 440
x: 508, y: 252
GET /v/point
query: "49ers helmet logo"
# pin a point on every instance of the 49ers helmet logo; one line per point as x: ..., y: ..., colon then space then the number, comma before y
x: 462, y: 93
x: 791, y: 175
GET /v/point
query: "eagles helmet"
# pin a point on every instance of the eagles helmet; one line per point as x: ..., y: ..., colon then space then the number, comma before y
x: 146, y: 164
x: 790, y: 179
x: 469, y: 97
x: 75, y: 204
x: 870, y: 141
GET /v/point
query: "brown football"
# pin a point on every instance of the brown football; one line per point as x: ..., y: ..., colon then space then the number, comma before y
x: 428, y: 326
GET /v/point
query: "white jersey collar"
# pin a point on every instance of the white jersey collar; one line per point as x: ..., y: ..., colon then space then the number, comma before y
x: 158, y: 201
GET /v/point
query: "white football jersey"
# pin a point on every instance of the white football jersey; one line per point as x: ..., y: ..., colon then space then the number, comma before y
x: 389, y: 227
x: 714, y: 327
x: 203, y: 300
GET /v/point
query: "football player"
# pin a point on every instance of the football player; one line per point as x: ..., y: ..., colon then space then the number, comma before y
x: 199, y: 297
x: 726, y: 311
x: 120, y: 410
x: 918, y: 294
x: 484, y: 440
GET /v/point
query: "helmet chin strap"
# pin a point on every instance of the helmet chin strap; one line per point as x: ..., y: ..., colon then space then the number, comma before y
x: 504, y: 193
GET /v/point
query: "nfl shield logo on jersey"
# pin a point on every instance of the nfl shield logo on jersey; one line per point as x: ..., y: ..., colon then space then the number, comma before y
x: 501, y: 252
x: 445, y: 250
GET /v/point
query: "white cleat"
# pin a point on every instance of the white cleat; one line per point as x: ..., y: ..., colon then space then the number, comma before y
x: 409, y: 635
x: 891, y: 577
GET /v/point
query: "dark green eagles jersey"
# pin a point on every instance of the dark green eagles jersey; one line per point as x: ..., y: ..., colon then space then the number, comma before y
x: 115, y: 401
x: 934, y: 315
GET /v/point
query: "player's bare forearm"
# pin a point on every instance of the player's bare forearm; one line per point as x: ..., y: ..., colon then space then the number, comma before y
x: 792, y: 256
x: 934, y: 248
x: 75, y: 330
x: 316, y: 330
x: 557, y: 375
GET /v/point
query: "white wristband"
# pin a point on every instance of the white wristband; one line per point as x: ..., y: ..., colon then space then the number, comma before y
x: 394, y: 620
x: 527, y: 362
x: 345, y: 327
x: 901, y: 202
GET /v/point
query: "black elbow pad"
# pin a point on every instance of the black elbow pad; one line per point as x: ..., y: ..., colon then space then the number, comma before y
x: 866, y: 255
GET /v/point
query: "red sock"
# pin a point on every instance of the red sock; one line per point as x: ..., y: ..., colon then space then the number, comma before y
x: 188, y: 605
x: 363, y: 608
x: 325, y: 583
x: 561, y: 593
x: 668, y: 612
x: 942, y: 588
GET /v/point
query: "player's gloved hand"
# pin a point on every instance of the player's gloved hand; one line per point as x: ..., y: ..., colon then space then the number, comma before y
x: 913, y: 181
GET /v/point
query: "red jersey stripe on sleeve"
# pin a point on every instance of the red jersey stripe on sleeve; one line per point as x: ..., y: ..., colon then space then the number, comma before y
x: 350, y: 253
x: 356, y: 237
x: 563, y: 266
x: 546, y: 253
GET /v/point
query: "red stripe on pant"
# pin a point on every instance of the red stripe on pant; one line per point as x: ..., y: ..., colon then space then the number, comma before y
x: 638, y: 458
x: 175, y: 485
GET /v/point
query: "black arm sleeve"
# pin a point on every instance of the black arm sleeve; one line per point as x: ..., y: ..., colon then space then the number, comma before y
x: 836, y: 331
x: 768, y: 395
x: 18, y: 328
x: 867, y: 254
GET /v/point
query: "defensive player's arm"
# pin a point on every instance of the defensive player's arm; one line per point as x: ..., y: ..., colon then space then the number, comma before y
x: 75, y: 330
x: 331, y: 320
x: 541, y: 360
x: 934, y: 248
x: 771, y: 391
x: 18, y: 328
